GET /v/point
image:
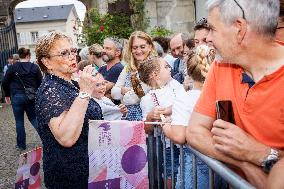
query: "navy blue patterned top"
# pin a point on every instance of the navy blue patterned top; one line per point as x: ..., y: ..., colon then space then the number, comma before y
x: 63, y: 167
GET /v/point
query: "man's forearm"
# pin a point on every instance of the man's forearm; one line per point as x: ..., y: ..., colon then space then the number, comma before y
x: 254, y: 175
x: 175, y: 132
x: 259, y: 153
x: 201, y: 140
x: 204, y: 143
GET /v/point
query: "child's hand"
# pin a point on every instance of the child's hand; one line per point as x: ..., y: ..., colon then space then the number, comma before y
x: 167, y: 119
x: 124, y: 90
x: 156, y: 112
x: 123, y: 108
x: 168, y: 111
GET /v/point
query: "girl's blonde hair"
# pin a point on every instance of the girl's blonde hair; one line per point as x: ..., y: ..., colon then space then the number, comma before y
x: 198, y: 64
x: 147, y: 67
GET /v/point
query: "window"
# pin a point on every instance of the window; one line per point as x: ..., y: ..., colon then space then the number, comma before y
x: 34, y: 36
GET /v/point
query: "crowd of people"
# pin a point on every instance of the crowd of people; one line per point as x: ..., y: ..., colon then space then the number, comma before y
x: 236, y: 56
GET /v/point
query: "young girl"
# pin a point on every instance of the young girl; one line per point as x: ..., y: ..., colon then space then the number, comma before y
x: 109, y: 109
x: 197, y: 68
x: 158, y: 101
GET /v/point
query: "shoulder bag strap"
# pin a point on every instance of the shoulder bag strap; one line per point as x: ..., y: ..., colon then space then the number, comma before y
x: 16, y: 73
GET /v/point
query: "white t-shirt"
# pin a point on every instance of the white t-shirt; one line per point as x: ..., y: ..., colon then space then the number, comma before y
x: 129, y: 98
x: 183, y: 107
x: 165, y: 97
x: 109, y: 109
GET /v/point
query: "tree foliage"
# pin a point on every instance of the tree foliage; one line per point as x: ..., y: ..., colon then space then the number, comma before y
x: 160, y: 31
x: 99, y: 26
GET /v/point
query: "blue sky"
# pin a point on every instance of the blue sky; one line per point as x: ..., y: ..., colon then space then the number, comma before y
x: 80, y: 7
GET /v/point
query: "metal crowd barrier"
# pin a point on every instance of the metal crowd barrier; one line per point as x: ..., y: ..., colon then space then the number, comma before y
x: 157, y: 166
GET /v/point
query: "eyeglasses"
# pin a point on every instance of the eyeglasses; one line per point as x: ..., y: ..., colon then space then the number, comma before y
x: 281, y: 27
x: 240, y: 8
x: 66, y: 53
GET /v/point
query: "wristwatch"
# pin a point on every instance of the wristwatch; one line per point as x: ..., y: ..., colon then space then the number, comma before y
x: 270, y: 160
x: 84, y: 95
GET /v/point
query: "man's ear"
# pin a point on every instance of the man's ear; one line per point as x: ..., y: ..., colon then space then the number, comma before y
x: 241, y: 26
x: 46, y: 62
x: 118, y: 53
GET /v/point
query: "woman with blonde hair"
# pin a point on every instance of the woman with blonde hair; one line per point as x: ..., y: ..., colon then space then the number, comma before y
x: 128, y: 88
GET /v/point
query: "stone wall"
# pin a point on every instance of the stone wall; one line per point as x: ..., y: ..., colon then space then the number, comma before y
x: 177, y: 15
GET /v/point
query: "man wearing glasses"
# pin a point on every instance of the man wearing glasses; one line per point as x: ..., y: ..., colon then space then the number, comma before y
x: 249, y: 72
x: 280, y: 27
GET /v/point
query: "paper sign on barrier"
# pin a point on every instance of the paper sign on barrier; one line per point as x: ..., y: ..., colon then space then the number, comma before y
x: 28, y: 173
x: 117, y: 155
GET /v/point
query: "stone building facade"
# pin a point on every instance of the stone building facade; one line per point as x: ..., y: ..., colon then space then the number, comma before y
x: 177, y: 15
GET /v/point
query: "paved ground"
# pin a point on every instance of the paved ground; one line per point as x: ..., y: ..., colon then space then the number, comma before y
x: 8, y: 153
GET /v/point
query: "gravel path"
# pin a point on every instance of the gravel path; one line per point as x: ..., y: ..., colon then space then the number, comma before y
x: 8, y: 153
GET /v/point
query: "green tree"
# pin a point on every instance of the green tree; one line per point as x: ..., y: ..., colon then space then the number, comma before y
x: 160, y: 31
x: 99, y: 26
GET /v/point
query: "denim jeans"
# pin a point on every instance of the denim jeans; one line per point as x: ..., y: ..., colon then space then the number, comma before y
x: 153, y: 159
x: 202, y: 174
x: 169, y: 161
x: 20, y: 105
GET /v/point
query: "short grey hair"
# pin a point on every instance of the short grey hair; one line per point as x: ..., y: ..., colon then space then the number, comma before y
x: 159, y: 49
x: 262, y: 15
x: 117, y: 43
x: 84, y: 53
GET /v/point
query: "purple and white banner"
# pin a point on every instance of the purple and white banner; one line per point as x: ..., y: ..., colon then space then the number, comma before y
x: 28, y: 173
x: 117, y: 155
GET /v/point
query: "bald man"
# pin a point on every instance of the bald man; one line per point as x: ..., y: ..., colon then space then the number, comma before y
x: 176, y: 47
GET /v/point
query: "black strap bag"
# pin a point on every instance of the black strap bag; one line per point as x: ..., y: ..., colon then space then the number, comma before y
x: 29, y: 91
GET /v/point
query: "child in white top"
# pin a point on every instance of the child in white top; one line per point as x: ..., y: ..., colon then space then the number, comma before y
x: 109, y: 109
x: 197, y: 68
x: 156, y: 73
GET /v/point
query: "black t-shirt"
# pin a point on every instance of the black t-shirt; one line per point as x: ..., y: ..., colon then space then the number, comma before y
x: 113, y: 73
x: 28, y: 72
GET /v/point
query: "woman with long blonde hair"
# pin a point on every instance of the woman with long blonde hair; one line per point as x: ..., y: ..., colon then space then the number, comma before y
x: 128, y: 88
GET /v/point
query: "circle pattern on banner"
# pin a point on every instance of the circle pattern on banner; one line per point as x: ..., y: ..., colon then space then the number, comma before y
x: 35, y: 169
x: 134, y: 159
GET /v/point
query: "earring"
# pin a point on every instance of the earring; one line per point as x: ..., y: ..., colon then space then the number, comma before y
x: 50, y: 72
